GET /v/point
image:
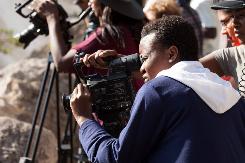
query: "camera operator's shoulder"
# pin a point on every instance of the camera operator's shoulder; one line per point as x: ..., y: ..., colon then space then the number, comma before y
x: 163, y: 85
x: 238, y: 108
x: 242, y: 102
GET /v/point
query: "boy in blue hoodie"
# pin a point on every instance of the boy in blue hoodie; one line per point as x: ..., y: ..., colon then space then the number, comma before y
x: 183, y: 113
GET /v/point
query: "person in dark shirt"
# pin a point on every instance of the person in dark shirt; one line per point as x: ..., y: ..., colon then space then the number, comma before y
x: 120, y: 25
x: 183, y: 112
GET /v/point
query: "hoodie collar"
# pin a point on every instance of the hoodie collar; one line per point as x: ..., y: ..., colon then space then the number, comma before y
x: 217, y: 93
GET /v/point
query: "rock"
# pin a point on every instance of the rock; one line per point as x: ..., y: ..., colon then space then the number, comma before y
x: 20, y: 80
x: 13, y: 139
x: 20, y: 85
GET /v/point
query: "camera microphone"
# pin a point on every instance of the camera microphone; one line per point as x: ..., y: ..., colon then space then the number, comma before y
x: 82, y: 15
x: 85, y: 13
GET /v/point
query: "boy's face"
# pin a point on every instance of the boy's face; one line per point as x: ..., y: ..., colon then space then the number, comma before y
x: 154, y: 57
x: 227, y: 29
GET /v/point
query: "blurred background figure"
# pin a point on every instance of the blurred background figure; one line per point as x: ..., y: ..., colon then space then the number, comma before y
x: 91, y: 21
x: 191, y: 16
x: 227, y: 27
x: 230, y: 61
x: 155, y: 9
x: 227, y: 30
x: 119, y: 29
x: 212, y: 40
x: 83, y: 4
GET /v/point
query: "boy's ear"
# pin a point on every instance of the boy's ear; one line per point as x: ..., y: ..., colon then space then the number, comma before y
x: 173, y: 53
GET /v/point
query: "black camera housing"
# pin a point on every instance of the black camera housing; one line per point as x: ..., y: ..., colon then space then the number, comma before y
x: 112, y: 95
x: 38, y: 25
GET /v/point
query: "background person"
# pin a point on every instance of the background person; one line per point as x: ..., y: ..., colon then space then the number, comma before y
x: 155, y: 9
x: 189, y: 14
x: 227, y: 27
x: 210, y: 26
x: 91, y: 21
x: 83, y: 4
x: 120, y: 26
x: 230, y: 61
x: 173, y: 119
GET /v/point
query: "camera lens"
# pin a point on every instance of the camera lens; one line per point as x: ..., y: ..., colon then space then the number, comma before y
x: 66, y: 102
x: 26, y: 36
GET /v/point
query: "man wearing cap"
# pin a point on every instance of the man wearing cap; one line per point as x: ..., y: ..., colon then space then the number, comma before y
x: 224, y: 16
x: 230, y: 61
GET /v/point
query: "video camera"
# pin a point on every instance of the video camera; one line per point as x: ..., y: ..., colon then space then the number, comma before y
x: 39, y: 25
x: 113, y: 94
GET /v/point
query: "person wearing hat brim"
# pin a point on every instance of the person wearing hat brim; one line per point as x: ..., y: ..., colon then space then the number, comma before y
x: 230, y: 61
x: 130, y: 8
x: 225, y: 10
x: 230, y: 5
x: 119, y: 30
x: 120, y: 25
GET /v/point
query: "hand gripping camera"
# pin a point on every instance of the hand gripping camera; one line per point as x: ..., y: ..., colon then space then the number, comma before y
x: 39, y: 25
x: 113, y: 94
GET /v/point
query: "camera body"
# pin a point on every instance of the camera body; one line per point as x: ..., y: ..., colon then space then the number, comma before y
x: 112, y: 95
x: 38, y: 25
x: 112, y: 98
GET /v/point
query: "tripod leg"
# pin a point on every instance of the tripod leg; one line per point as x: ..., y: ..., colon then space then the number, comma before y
x: 44, y: 113
x: 66, y: 144
x: 58, y: 118
x: 37, y: 109
x: 71, y: 124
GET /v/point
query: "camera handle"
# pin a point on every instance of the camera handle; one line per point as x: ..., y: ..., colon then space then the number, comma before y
x: 64, y: 148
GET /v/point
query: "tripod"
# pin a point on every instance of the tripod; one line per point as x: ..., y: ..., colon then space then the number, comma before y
x: 64, y: 147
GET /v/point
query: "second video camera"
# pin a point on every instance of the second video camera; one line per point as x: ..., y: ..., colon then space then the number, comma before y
x: 38, y: 25
x: 113, y: 94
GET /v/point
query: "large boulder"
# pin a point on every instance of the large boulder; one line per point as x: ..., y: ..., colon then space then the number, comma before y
x: 20, y: 86
x: 13, y: 139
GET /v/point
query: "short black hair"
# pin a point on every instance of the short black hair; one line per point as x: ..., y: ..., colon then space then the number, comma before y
x: 174, y: 30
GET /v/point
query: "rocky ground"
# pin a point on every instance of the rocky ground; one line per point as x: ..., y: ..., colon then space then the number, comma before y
x: 21, y: 73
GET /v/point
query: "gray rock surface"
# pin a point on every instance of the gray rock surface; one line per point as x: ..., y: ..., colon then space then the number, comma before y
x: 21, y: 72
x: 13, y: 139
x: 20, y: 86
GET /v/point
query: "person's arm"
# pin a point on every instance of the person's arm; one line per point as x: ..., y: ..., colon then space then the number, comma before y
x: 136, y: 141
x: 98, y: 58
x: 211, y: 63
x: 63, y: 61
